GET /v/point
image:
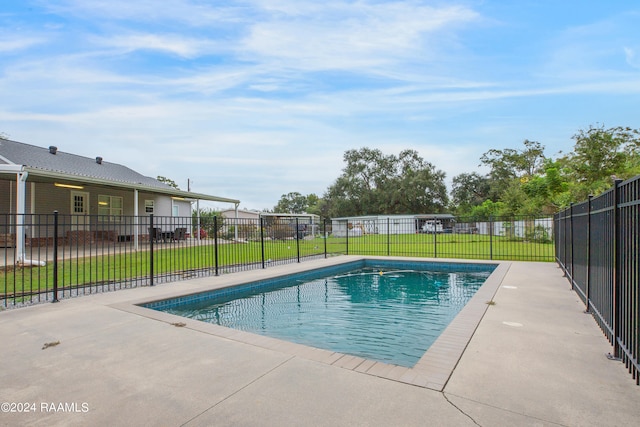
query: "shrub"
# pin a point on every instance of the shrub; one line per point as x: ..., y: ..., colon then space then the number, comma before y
x: 538, y: 234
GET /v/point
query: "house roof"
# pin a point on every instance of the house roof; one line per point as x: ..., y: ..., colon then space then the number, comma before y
x: 51, y: 163
x: 257, y: 214
x: 233, y: 211
x: 289, y: 215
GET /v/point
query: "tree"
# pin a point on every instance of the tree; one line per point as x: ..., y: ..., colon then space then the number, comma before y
x: 601, y: 155
x: 469, y: 190
x: 313, y: 204
x: 487, y: 210
x: 515, y: 163
x: 355, y: 191
x: 547, y: 192
x: 375, y: 183
x: 417, y: 187
x: 168, y: 181
x: 293, y: 202
x: 509, y: 164
x: 528, y: 183
x: 514, y: 201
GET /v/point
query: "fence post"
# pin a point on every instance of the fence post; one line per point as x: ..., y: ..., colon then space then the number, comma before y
x: 326, y: 236
x: 616, y: 299
x: 347, y: 238
x: 262, y: 241
x: 298, y: 238
x: 564, y: 242
x: 215, y: 242
x: 554, y: 234
x: 588, y: 278
x: 561, y: 246
x: 563, y: 226
x: 571, y: 241
x: 388, y: 237
x: 152, y: 237
x: 55, y: 256
x: 435, y: 239
x: 491, y: 237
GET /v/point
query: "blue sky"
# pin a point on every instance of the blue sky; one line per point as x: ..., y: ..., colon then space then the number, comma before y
x: 258, y: 98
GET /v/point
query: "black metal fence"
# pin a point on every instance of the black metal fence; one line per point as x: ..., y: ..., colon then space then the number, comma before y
x: 500, y: 238
x: 597, y: 246
x: 49, y: 257
x: 52, y: 256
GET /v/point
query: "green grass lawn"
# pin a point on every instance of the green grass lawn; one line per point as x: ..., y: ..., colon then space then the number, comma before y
x: 466, y: 246
x: 129, y: 265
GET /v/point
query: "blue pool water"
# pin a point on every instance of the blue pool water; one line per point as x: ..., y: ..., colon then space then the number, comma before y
x: 380, y: 310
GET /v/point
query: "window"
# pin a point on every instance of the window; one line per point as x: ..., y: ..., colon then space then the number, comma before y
x: 148, y: 206
x: 79, y: 203
x: 175, y: 210
x: 109, y: 208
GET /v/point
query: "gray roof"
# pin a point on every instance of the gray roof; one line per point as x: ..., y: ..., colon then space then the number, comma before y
x: 43, y: 161
x: 70, y: 164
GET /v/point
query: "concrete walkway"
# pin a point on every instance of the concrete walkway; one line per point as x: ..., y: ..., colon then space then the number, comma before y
x: 535, y: 359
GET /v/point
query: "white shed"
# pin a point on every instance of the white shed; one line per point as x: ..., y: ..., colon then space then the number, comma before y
x: 389, y: 224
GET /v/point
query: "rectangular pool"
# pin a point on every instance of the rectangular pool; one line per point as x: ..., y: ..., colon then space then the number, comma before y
x: 384, y: 310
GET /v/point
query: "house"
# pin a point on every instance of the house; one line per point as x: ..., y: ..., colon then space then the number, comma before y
x: 391, y: 224
x: 92, y: 191
x: 248, y: 221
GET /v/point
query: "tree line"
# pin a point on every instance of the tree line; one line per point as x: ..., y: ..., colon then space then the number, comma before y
x: 520, y: 181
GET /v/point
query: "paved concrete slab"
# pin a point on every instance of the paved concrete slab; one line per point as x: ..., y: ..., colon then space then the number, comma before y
x: 537, y: 354
x: 304, y: 393
x: 535, y: 359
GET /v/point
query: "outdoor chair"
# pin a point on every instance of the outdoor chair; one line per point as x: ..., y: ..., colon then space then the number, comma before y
x: 180, y: 233
x: 155, y: 234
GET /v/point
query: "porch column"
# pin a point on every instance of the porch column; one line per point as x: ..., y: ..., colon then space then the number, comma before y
x: 198, y: 219
x: 136, y: 220
x: 21, y: 195
x: 236, y: 227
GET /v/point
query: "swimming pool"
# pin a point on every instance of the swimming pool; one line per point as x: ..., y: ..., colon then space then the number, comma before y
x: 382, y: 310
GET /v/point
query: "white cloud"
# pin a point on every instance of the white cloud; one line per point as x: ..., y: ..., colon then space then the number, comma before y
x: 338, y: 35
x: 184, y: 11
x: 593, y: 51
x: 631, y: 57
x: 208, y: 80
x: 72, y: 69
x: 185, y: 47
x: 17, y: 43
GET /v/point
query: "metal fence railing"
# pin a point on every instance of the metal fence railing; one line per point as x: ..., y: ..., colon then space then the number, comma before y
x: 52, y: 256
x: 500, y: 238
x: 597, y: 246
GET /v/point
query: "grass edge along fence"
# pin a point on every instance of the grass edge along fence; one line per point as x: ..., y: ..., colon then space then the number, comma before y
x: 598, y: 248
x: 523, y: 238
x: 66, y: 255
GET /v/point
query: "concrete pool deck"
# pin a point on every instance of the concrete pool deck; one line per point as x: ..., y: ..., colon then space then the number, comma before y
x: 534, y: 359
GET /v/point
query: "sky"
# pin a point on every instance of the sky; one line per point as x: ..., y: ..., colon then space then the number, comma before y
x: 255, y: 99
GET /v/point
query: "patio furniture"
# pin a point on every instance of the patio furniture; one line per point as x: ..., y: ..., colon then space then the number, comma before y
x: 180, y: 234
x: 156, y: 234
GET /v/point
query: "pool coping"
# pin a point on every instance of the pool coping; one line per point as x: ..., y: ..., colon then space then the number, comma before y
x: 432, y: 371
